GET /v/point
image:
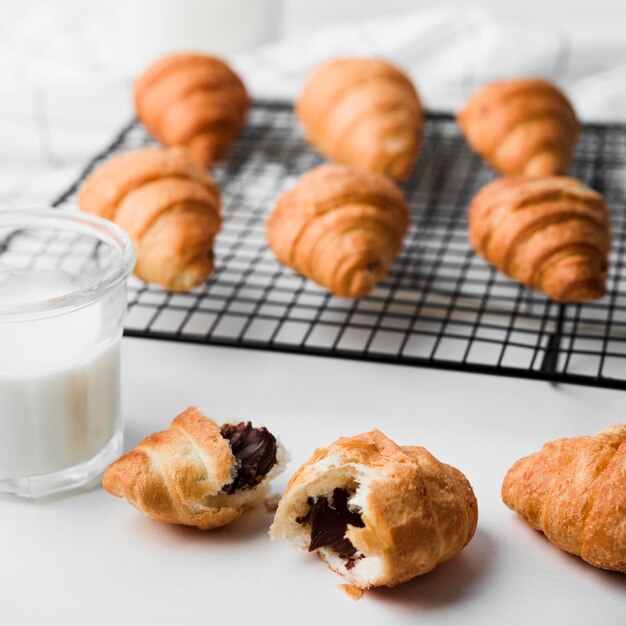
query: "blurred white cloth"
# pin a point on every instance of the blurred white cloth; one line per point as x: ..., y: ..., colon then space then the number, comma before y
x: 61, y: 102
x: 449, y: 52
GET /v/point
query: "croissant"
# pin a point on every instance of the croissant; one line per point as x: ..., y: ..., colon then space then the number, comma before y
x: 197, y: 473
x: 551, y: 234
x: 574, y: 490
x: 340, y: 227
x: 170, y: 207
x: 525, y: 126
x: 376, y: 512
x: 192, y: 100
x: 365, y: 113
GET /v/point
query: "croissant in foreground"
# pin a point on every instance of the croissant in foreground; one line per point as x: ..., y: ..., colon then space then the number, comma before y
x: 574, y: 490
x: 365, y: 113
x: 170, y: 207
x: 550, y: 234
x: 377, y: 513
x: 340, y: 227
x: 522, y: 126
x: 197, y: 473
x: 192, y: 100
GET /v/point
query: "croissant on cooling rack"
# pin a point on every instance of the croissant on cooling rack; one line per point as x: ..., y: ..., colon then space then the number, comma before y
x: 170, y: 207
x: 551, y: 234
x: 574, y: 490
x: 365, y: 113
x: 376, y: 512
x: 523, y: 126
x: 192, y: 100
x: 340, y: 227
x: 197, y: 473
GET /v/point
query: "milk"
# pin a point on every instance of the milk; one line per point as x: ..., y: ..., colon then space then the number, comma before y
x: 59, y: 379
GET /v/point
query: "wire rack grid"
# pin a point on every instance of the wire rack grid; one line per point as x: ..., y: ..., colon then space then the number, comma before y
x: 440, y: 306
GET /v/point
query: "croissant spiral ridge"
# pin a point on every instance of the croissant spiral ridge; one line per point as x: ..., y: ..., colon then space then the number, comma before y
x: 170, y: 207
x: 365, y: 113
x: 551, y: 234
x: 574, y: 490
x: 192, y: 100
x: 522, y: 127
x: 340, y: 227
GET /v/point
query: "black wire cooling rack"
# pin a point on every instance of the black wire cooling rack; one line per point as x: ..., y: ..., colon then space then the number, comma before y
x: 440, y: 306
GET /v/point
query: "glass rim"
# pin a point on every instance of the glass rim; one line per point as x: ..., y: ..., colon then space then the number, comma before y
x: 70, y: 221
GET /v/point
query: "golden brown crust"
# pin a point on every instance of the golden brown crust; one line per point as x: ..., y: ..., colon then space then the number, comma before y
x: 192, y: 100
x: 178, y: 475
x: 522, y: 126
x: 340, y: 227
x: 168, y: 205
x: 365, y: 113
x: 574, y: 490
x: 417, y: 511
x: 551, y: 234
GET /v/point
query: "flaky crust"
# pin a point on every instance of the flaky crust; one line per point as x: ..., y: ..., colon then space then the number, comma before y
x: 574, y: 490
x: 177, y: 475
x: 365, y: 113
x: 340, y: 227
x: 168, y: 205
x: 522, y: 126
x: 192, y: 100
x: 417, y: 511
x: 551, y: 234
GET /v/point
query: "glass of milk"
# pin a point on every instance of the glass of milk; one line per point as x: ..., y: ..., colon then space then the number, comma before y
x: 62, y: 304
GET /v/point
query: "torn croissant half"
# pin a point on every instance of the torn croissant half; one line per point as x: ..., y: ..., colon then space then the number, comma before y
x: 197, y: 473
x: 377, y: 513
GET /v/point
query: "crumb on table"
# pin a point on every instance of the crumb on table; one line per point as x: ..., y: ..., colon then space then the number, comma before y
x: 354, y: 592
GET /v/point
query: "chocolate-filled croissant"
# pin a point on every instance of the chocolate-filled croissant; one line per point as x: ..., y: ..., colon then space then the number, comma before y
x: 340, y: 227
x: 197, y: 473
x: 551, y: 234
x: 522, y: 126
x: 574, y: 490
x: 376, y: 512
x: 192, y: 100
x: 365, y: 113
x: 170, y: 207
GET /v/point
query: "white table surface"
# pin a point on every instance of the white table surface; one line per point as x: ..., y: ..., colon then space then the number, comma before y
x: 89, y: 558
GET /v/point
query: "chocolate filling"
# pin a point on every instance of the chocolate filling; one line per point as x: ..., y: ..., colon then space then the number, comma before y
x: 329, y: 523
x: 255, y: 451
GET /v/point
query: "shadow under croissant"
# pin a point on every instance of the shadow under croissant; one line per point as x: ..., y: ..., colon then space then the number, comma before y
x: 595, y: 575
x: 246, y: 528
x: 449, y: 582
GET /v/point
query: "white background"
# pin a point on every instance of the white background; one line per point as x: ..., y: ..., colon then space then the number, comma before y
x: 88, y: 558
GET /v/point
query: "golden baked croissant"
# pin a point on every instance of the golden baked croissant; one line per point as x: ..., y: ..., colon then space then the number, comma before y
x: 523, y: 126
x: 377, y: 513
x: 170, y: 207
x: 365, y: 113
x: 551, y: 234
x: 340, y: 227
x: 574, y: 490
x: 192, y: 100
x: 197, y: 473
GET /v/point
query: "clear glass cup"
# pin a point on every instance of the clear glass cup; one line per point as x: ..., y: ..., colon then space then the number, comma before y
x: 63, y: 282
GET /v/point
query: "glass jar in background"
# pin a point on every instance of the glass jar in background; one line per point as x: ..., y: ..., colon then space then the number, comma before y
x: 128, y: 36
x: 63, y: 282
